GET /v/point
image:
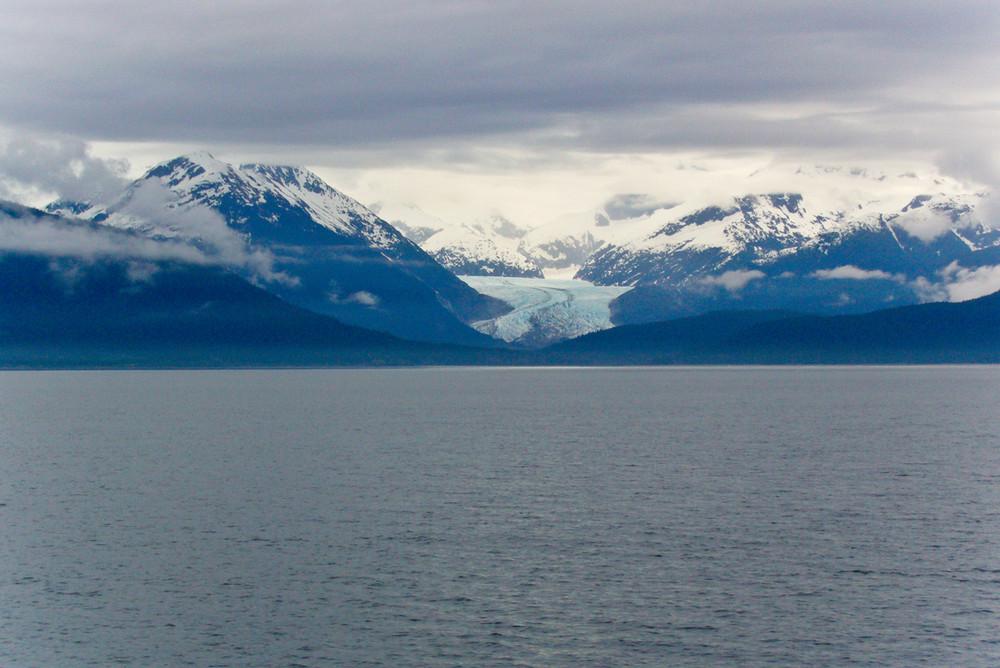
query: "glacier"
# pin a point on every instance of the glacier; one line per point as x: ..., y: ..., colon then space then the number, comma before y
x: 545, y: 310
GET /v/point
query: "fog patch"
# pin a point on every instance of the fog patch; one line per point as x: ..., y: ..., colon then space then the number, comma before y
x: 928, y: 223
x: 364, y: 298
x: 56, y: 238
x: 141, y: 272
x: 633, y: 205
x: 68, y: 273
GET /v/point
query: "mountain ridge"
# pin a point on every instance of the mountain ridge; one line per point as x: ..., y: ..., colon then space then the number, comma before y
x: 941, y: 332
x: 305, y: 242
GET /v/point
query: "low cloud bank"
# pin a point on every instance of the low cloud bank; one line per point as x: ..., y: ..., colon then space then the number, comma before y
x: 50, y: 236
x: 954, y: 283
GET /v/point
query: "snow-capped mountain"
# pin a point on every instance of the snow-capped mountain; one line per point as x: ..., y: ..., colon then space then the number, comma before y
x: 851, y: 241
x: 565, y: 244
x: 412, y: 222
x: 468, y: 251
x: 293, y: 234
x: 304, y: 241
x: 759, y: 232
x: 781, y: 251
x: 487, y: 247
x: 496, y: 246
x: 65, y: 281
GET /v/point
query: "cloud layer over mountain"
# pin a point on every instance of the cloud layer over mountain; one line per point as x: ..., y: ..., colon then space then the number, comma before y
x: 580, y: 95
x: 583, y: 74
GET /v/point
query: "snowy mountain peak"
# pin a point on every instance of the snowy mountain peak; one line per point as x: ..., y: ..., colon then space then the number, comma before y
x: 752, y: 233
x: 205, y: 159
x: 69, y: 209
x: 291, y: 198
x: 191, y: 167
x: 489, y: 246
x: 788, y: 201
x: 469, y: 251
x: 499, y: 225
x: 916, y: 202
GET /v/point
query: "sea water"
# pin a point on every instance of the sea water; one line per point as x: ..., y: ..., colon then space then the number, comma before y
x: 494, y: 517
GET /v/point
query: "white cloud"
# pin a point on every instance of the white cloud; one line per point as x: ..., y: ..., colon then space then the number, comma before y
x: 360, y: 298
x: 531, y: 190
x: 850, y: 272
x: 956, y: 282
x: 363, y: 298
x: 962, y: 284
x: 733, y: 281
x: 48, y: 236
x: 927, y: 291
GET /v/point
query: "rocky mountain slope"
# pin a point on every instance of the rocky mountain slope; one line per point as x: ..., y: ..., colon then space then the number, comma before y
x: 288, y: 231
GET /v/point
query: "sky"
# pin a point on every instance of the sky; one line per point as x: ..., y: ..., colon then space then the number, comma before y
x: 526, y: 109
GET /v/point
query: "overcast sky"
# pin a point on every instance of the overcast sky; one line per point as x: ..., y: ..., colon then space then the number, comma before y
x: 529, y: 108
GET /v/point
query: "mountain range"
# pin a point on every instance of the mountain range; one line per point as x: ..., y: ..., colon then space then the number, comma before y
x: 256, y: 264
x: 754, y: 251
x: 78, y: 293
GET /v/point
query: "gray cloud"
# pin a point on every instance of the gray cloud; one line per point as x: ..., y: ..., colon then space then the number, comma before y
x: 978, y: 163
x: 58, y: 165
x: 606, y: 76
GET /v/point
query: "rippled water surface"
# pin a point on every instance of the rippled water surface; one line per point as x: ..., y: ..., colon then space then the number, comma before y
x: 440, y: 517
